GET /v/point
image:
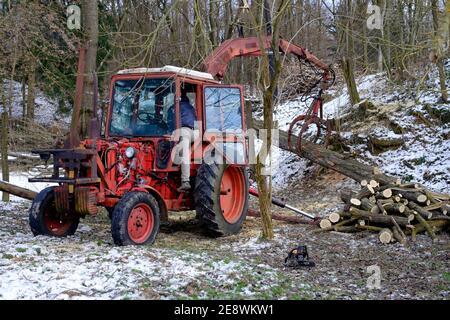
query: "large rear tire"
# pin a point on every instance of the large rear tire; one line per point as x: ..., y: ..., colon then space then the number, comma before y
x: 45, y: 220
x: 135, y: 219
x: 221, y: 198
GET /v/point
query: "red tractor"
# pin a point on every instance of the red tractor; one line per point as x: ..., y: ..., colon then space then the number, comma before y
x: 129, y: 168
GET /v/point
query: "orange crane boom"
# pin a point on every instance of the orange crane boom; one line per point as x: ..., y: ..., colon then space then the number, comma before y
x: 217, y: 62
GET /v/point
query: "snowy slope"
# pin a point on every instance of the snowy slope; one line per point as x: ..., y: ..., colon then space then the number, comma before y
x: 425, y: 156
x: 46, y: 108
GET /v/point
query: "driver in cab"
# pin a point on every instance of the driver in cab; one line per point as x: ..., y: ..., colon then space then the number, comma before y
x: 182, y: 149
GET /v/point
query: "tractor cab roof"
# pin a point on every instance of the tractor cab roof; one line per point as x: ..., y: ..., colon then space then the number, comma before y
x: 171, y: 69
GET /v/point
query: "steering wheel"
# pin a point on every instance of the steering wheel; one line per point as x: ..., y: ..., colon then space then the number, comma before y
x: 149, y: 118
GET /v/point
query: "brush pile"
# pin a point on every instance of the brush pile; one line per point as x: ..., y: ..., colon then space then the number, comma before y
x: 394, y: 211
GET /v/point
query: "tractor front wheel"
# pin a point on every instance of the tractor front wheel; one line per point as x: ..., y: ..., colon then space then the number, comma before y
x: 221, y: 197
x: 135, y: 219
x: 45, y: 220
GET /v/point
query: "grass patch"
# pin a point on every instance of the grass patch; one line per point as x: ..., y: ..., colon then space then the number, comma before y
x: 446, y: 276
x: 7, y: 256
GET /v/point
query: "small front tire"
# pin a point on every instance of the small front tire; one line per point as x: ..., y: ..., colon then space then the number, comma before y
x: 135, y: 219
x: 45, y: 220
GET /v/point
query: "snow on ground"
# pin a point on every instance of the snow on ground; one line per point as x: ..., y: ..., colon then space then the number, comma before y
x: 46, y: 108
x: 80, y: 268
x: 424, y: 158
x: 188, y: 265
x: 20, y: 178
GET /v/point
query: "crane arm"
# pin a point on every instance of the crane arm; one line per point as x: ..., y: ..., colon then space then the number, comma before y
x: 217, y: 62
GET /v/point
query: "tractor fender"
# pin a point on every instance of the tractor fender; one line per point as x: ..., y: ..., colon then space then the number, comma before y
x: 158, y: 197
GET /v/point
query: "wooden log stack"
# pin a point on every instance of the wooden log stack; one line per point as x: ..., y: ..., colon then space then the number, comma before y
x: 396, y: 211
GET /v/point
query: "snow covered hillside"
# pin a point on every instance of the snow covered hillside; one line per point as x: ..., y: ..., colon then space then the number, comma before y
x: 414, y: 116
x: 46, y: 108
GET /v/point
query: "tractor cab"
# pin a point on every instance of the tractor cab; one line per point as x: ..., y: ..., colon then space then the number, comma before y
x: 145, y: 105
x: 131, y: 168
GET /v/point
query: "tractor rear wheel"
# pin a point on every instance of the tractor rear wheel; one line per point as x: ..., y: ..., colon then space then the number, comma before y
x: 45, y: 220
x: 221, y: 198
x: 135, y: 219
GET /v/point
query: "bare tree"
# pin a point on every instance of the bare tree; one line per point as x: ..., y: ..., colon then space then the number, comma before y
x: 90, y: 15
x: 438, y: 51
x: 269, y: 73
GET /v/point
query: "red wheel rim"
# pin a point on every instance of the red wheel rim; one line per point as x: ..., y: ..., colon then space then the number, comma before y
x: 140, y: 223
x: 232, y: 194
x: 56, y: 225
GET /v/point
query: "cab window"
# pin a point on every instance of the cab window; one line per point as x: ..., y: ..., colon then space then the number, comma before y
x: 143, y: 107
x: 223, y: 109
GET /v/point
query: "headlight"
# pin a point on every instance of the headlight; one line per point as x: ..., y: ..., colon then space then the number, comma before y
x: 130, y: 152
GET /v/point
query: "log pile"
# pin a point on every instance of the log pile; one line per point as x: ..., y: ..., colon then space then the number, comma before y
x: 396, y: 211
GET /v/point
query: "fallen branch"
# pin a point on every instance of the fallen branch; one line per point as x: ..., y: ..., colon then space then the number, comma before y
x: 17, y: 191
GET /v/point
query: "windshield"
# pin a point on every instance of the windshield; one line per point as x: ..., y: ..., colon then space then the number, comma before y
x: 143, y: 108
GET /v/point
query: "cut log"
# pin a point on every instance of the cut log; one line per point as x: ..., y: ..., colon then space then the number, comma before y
x: 374, y: 184
x: 366, y: 204
x: 385, y: 220
x: 17, y: 191
x: 441, y: 206
x: 425, y: 224
x: 436, y: 226
x: 424, y: 213
x: 355, y: 202
x: 440, y: 196
x: 334, y: 217
x: 409, y: 215
x: 364, y: 183
x: 415, y: 196
x: 398, y: 232
x: 343, y: 164
x: 398, y: 236
x: 377, y: 171
x: 387, y: 193
x: 325, y: 224
x: 342, y: 223
x: 347, y: 194
x: 371, y: 189
x: 384, y: 143
x: 369, y: 228
x: 411, y: 186
x: 380, y: 206
x: 345, y: 229
x: 362, y: 222
x: 385, y: 236
x: 395, y: 208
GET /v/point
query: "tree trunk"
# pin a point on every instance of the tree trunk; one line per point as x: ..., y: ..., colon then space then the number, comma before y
x: 90, y: 15
x: 263, y: 181
x: 4, y: 145
x: 24, y: 98
x: 438, y: 41
x: 347, y: 69
x: 31, y: 89
x: 267, y: 81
